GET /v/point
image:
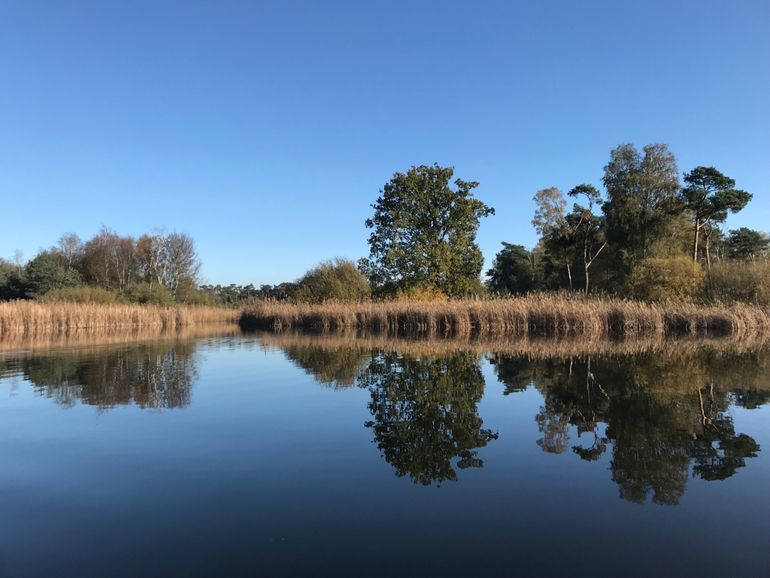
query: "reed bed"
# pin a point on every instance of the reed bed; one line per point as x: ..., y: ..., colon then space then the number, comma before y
x: 544, y: 315
x: 31, y: 319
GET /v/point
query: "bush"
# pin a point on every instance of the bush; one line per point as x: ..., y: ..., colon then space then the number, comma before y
x: 145, y: 293
x: 666, y: 279
x: 83, y: 294
x: 739, y: 281
x: 421, y: 293
x: 337, y: 280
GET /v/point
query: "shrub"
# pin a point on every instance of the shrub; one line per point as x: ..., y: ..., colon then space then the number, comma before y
x: 149, y: 294
x: 739, y: 281
x: 421, y: 293
x: 337, y: 280
x: 82, y: 294
x: 666, y: 279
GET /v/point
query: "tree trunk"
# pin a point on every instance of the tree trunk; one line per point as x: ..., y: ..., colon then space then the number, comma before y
x: 569, y: 275
x: 695, y: 240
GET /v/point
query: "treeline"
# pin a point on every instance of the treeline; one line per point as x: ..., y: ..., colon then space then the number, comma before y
x: 335, y: 280
x: 154, y: 268
x: 648, y: 236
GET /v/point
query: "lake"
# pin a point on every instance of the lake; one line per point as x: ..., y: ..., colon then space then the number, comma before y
x: 284, y: 456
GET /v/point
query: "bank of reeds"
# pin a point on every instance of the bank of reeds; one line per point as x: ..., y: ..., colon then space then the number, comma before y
x: 32, y: 319
x: 535, y: 315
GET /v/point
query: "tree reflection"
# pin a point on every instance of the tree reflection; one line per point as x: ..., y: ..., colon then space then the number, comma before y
x: 425, y: 413
x: 153, y: 375
x: 663, y: 416
x: 337, y: 367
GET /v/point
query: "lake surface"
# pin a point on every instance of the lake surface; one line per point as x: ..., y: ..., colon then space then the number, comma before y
x: 244, y: 455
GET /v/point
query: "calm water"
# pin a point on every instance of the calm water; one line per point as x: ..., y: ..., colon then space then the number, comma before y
x: 232, y: 456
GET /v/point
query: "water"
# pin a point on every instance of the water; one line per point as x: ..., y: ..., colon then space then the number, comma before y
x: 245, y: 456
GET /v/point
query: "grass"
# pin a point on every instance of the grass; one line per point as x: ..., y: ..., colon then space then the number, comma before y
x: 545, y: 315
x: 32, y: 319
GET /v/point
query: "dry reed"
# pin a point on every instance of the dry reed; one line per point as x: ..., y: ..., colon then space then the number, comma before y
x: 535, y: 315
x: 31, y: 319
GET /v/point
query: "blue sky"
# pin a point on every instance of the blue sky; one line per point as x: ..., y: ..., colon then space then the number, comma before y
x: 266, y: 129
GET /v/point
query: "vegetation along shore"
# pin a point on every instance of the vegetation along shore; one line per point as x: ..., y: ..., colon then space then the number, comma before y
x: 538, y: 314
x: 646, y: 255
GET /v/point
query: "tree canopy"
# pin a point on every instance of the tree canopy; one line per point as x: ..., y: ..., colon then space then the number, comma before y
x: 423, y: 233
x: 709, y: 196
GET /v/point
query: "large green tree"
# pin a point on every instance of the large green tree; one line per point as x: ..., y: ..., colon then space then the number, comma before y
x: 709, y: 196
x: 642, y: 202
x: 423, y: 233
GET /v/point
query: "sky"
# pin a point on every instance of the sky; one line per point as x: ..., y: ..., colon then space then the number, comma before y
x: 266, y: 130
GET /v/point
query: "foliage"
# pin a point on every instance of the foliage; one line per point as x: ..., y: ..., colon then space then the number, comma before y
x: 709, y: 196
x: 746, y: 244
x: 421, y: 293
x: 11, y: 281
x: 337, y: 280
x: 666, y: 279
x: 512, y: 271
x: 81, y: 294
x: 641, y: 202
x: 44, y: 273
x: 587, y: 229
x: 423, y: 233
x: 742, y: 282
x: 149, y: 294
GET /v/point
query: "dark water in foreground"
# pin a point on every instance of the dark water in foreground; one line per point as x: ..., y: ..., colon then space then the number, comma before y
x: 231, y: 456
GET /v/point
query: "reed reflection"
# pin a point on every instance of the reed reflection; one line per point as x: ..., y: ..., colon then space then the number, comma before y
x: 425, y: 418
x: 150, y: 375
x: 661, y: 417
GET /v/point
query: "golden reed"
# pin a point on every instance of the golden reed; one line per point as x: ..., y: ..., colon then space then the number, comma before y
x: 31, y: 319
x: 552, y: 315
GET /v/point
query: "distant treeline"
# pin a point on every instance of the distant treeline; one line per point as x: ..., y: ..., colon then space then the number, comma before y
x: 647, y: 235
x: 153, y: 268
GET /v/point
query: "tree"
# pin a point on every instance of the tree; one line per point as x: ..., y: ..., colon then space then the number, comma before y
x: 587, y: 227
x: 512, y: 271
x: 423, y: 233
x: 44, y: 273
x: 747, y: 244
x: 642, y: 202
x: 550, y: 221
x: 69, y: 249
x: 709, y: 196
x: 183, y: 265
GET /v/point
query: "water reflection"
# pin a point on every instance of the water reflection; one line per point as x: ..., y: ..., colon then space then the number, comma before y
x: 656, y: 417
x: 660, y: 417
x: 425, y: 413
x: 150, y: 375
x: 336, y: 367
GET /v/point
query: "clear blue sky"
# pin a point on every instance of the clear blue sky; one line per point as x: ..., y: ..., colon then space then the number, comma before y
x: 266, y: 129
